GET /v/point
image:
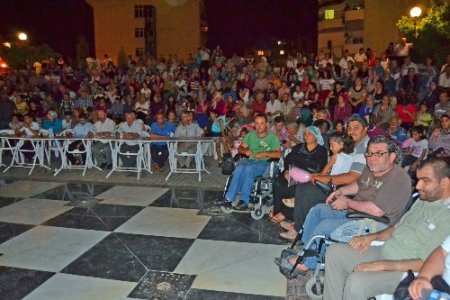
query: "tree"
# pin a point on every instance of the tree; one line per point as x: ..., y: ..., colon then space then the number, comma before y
x: 433, y: 31
x: 122, y: 60
x: 82, y: 51
x: 19, y: 55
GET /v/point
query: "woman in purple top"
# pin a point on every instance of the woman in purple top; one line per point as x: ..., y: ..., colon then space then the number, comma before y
x: 343, y: 108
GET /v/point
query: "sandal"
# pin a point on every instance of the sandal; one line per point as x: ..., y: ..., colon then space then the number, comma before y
x: 271, y: 213
x: 278, y: 218
x: 289, y: 202
x: 286, y: 267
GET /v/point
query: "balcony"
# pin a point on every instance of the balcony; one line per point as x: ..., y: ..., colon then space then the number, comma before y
x: 354, y: 14
x: 327, y: 25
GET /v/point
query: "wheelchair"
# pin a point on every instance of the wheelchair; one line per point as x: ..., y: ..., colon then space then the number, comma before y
x: 261, y: 195
x: 316, y: 247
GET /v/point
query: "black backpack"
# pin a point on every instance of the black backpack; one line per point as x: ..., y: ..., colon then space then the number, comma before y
x: 227, y: 164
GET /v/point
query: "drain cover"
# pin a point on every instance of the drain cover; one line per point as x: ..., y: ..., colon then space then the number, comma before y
x: 163, y: 286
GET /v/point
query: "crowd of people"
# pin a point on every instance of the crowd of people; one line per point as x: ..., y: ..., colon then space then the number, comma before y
x: 374, y: 126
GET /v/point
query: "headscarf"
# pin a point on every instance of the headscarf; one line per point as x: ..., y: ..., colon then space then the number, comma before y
x: 316, y: 132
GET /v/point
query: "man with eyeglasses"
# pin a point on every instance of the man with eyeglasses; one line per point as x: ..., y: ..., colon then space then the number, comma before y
x: 383, y: 189
x: 307, y: 195
x: 359, y: 270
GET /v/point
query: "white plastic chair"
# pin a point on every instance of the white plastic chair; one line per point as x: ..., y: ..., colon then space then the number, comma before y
x: 5, y: 144
x: 116, y: 153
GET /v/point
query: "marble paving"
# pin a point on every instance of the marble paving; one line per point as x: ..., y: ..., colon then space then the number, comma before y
x: 84, y: 240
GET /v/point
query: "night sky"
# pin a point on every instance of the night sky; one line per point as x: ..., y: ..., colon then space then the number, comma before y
x: 236, y: 25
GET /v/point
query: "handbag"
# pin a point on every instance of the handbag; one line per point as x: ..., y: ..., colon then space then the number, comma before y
x: 401, y: 292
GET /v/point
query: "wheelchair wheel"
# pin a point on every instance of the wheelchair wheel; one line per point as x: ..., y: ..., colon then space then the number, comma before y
x: 257, y: 214
x: 314, y: 288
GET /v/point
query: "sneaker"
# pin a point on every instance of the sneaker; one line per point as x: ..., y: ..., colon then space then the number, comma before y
x: 222, y: 202
x: 241, y: 206
x: 287, y: 225
x: 289, y: 235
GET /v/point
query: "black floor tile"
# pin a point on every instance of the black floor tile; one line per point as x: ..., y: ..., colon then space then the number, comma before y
x: 113, y: 257
x: 10, y: 230
x: 240, y: 227
x: 101, y: 217
x: 17, y: 283
x: 195, y: 294
x: 4, y: 201
x: 187, y: 198
x: 74, y: 191
x: 163, y: 286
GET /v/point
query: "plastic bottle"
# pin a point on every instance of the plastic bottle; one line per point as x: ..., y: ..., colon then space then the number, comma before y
x: 50, y: 132
x: 434, y: 295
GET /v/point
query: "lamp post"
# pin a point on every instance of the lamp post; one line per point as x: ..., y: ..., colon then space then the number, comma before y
x: 415, y: 14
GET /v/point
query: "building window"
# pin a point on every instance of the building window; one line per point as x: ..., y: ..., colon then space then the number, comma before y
x: 139, y: 33
x: 138, y: 11
x: 140, y: 52
x: 329, y: 14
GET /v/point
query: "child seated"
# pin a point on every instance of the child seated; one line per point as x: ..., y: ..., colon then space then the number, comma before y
x: 415, y: 148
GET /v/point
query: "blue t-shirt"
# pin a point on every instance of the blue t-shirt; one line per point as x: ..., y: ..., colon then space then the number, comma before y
x: 164, y: 131
x: 56, y: 125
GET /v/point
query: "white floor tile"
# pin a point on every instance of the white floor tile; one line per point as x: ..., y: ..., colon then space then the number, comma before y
x: 48, y: 248
x: 163, y: 221
x: 25, y: 188
x: 234, y: 267
x: 131, y: 195
x: 32, y: 211
x: 68, y: 287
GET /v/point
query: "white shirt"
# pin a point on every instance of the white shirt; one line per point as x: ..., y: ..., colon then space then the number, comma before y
x: 360, y: 57
x: 33, y: 126
x: 444, y: 81
x: 273, y: 107
x: 342, y: 164
x: 446, y: 246
x: 107, y: 126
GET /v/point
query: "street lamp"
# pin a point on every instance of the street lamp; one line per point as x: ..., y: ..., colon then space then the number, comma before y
x: 22, y: 36
x: 415, y: 14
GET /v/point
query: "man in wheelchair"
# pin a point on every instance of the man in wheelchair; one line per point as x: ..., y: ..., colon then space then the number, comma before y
x: 359, y: 271
x: 259, y: 146
x: 383, y: 190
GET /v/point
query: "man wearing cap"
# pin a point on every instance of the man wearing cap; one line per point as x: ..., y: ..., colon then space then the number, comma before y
x: 440, y: 139
x: 307, y: 195
x: 101, y: 150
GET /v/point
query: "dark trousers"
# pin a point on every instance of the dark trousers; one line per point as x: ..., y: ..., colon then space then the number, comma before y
x: 307, y: 195
x: 72, y: 147
x: 129, y: 161
x: 27, y: 146
x: 160, y: 153
x: 281, y: 191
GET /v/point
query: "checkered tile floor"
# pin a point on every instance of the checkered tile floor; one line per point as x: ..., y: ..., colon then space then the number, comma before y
x: 98, y: 241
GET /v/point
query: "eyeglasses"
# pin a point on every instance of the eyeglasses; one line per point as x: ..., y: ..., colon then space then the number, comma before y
x: 376, y: 154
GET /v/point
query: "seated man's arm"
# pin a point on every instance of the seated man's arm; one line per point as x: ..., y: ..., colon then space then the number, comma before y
x: 276, y: 154
x: 433, y: 265
x: 346, y: 178
x: 362, y: 243
x: 244, y: 150
x: 367, y: 207
x: 390, y: 265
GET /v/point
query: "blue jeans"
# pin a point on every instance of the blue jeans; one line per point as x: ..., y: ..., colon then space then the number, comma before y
x: 321, y: 220
x: 243, y: 178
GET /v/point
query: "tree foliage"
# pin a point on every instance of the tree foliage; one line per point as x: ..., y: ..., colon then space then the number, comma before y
x: 19, y: 55
x: 433, y: 30
x: 82, y: 51
x: 122, y: 59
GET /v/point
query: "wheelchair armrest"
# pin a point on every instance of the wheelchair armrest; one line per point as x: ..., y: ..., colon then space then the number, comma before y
x: 326, y: 188
x: 361, y: 215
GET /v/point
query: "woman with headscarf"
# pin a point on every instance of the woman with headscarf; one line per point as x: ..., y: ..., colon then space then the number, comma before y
x: 311, y: 156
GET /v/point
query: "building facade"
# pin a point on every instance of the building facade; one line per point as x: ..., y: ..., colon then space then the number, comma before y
x: 354, y: 24
x: 147, y: 27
